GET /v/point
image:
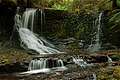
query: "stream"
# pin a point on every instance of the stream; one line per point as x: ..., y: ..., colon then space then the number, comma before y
x: 52, y: 62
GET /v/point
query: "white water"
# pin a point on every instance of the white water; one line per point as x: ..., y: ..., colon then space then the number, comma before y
x: 96, y: 43
x: 79, y: 62
x: 37, y: 64
x: 109, y: 61
x: 83, y: 64
x: 25, y: 26
x: 28, y: 18
x: 42, y: 64
x: 46, y: 70
x: 60, y: 63
x: 32, y: 42
x: 94, y: 77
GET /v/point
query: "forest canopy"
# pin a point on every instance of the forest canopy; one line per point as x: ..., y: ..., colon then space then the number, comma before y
x: 75, y: 5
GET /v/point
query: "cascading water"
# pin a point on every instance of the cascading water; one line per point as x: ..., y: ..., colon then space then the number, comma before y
x: 28, y: 19
x: 29, y: 40
x: 83, y: 64
x: 96, y: 42
x: 109, y: 61
x: 24, y: 24
x: 43, y: 63
x: 79, y: 61
x: 37, y: 64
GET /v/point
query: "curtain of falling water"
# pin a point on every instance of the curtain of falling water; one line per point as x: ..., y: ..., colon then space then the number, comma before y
x: 29, y: 40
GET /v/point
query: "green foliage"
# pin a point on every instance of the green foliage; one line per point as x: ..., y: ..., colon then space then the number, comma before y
x: 60, y: 33
x: 89, y: 6
x: 118, y: 3
x: 63, y: 5
x: 79, y: 26
x: 114, y: 22
x: 115, y: 57
x: 113, y: 28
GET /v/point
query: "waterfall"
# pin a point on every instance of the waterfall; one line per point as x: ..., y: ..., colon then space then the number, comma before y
x: 60, y: 63
x: 45, y: 63
x: 24, y: 24
x: 29, y: 40
x: 96, y: 42
x: 28, y: 18
x: 37, y: 64
x: 41, y: 18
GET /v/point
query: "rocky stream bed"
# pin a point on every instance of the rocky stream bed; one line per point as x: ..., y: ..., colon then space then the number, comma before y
x: 15, y: 61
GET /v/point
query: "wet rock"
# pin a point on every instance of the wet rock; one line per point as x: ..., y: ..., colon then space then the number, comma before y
x: 69, y: 40
x: 109, y: 46
x: 10, y: 68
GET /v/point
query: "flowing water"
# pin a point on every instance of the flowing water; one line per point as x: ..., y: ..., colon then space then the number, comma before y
x: 83, y: 64
x: 29, y: 40
x: 96, y: 42
x: 24, y: 24
x: 43, y: 63
x: 80, y: 62
x: 109, y: 61
x: 28, y: 19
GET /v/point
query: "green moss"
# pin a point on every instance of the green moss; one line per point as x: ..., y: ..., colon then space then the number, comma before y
x: 115, y: 57
x: 109, y: 74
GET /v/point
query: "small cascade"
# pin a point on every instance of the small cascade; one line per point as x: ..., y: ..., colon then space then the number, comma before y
x: 79, y: 61
x: 84, y: 65
x: 96, y: 42
x: 37, y: 64
x: 29, y: 40
x: 109, y: 61
x: 94, y: 77
x: 60, y: 63
x: 44, y: 63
